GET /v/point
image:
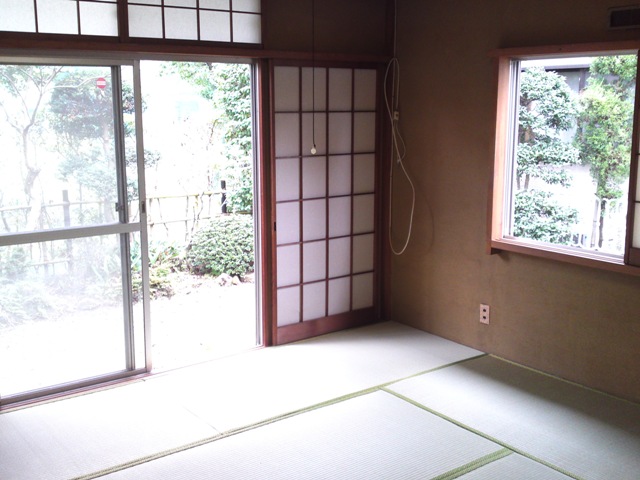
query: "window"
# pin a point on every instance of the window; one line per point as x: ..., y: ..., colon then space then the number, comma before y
x: 74, y: 17
x: 565, y: 179
x: 227, y: 21
x: 235, y: 21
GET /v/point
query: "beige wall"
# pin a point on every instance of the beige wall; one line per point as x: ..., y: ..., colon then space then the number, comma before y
x: 579, y: 323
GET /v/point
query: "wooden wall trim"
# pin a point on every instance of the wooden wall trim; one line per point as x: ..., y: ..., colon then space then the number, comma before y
x: 40, y: 43
x: 631, y: 46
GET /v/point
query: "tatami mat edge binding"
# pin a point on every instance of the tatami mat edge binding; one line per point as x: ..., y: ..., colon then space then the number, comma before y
x: 236, y: 431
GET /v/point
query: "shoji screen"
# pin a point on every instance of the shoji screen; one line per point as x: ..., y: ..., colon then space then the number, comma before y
x: 325, y: 201
x: 235, y: 21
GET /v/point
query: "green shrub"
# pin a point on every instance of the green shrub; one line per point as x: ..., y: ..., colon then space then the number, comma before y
x: 225, y: 245
x: 164, y: 259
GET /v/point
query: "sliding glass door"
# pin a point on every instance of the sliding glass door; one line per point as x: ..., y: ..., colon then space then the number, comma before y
x: 69, y: 218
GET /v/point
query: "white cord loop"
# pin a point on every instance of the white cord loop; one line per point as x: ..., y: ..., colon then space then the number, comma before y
x: 398, y: 148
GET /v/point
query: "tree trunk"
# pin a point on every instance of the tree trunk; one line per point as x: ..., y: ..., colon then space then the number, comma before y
x: 601, y: 225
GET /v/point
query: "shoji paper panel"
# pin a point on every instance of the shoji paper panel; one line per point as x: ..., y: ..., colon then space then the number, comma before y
x: 339, y: 296
x: 57, y: 16
x: 288, y: 305
x: 287, y: 179
x: 289, y: 266
x: 314, y: 265
x: 339, y: 257
x: 208, y: 20
x: 340, y: 175
x: 215, y: 26
x: 364, y: 169
x: 314, y: 300
x: 181, y: 23
x: 99, y: 19
x: 325, y: 202
x: 363, y: 213
x: 362, y: 291
x: 286, y: 83
x: 318, y: 85
x: 17, y: 16
x: 314, y: 177
x: 288, y: 227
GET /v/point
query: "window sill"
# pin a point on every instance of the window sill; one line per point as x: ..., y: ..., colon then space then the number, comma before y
x: 598, y: 260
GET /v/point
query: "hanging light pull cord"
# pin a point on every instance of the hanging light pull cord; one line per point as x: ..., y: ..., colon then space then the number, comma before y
x: 313, y: 77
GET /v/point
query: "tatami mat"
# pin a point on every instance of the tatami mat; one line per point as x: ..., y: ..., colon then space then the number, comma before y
x: 315, y: 409
x: 590, y: 435
x: 68, y: 438
x: 374, y: 436
x: 246, y: 389
x: 514, y: 467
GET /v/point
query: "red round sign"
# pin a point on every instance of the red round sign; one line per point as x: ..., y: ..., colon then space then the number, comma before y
x: 101, y: 83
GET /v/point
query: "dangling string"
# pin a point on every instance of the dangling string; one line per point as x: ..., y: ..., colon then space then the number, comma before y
x: 313, y: 76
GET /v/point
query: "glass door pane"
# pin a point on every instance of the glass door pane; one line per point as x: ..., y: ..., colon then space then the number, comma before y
x: 61, y: 312
x: 65, y: 310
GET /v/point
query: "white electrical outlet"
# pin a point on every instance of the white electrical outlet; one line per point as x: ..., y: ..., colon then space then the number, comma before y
x: 485, y: 311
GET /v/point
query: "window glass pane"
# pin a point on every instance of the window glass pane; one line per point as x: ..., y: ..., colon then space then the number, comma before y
x: 246, y: 28
x: 317, y: 85
x: 99, y: 19
x: 145, y: 22
x: 246, y: 5
x: 314, y: 263
x: 288, y: 265
x: 286, y: 85
x: 61, y: 316
x: 146, y: 2
x: 57, y: 16
x: 58, y: 144
x: 314, y: 177
x: 181, y: 23
x: 287, y: 179
x: 288, y: 306
x: 339, y: 295
x: 340, y: 89
x: 571, y: 166
x: 130, y: 146
x: 17, y: 16
x: 313, y: 301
